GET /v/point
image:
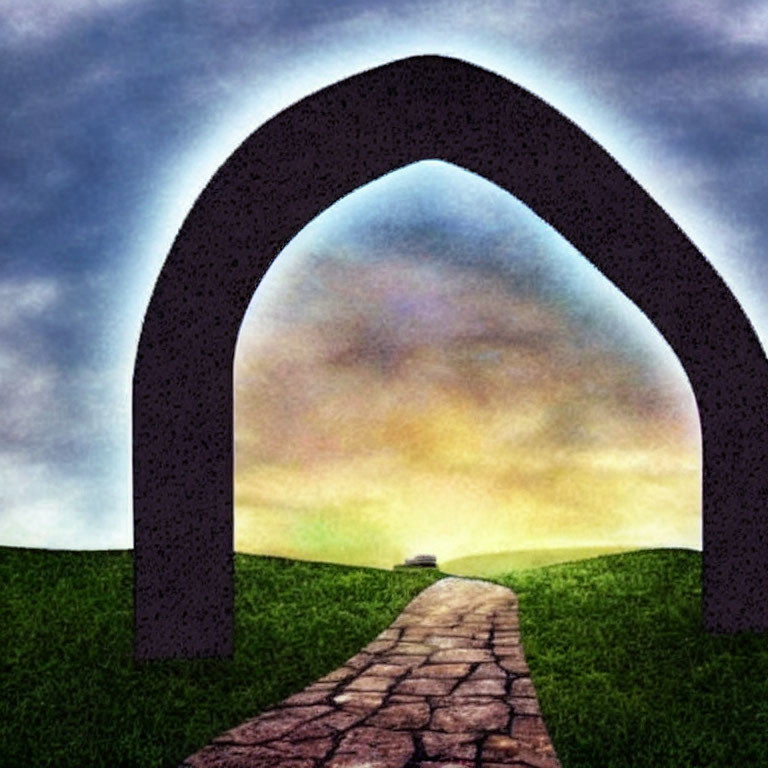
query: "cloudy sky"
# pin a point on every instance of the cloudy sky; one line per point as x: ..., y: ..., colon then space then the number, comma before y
x: 117, y: 112
x: 429, y: 367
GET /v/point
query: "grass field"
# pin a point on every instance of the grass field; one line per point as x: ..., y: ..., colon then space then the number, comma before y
x: 71, y: 695
x: 624, y: 674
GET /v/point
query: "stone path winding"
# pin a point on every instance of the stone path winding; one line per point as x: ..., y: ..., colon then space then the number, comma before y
x: 445, y: 685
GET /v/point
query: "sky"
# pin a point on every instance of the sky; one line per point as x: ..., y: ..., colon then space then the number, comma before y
x: 430, y: 368
x: 116, y: 113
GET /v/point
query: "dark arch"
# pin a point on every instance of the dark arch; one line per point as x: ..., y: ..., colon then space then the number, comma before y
x: 305, y: 159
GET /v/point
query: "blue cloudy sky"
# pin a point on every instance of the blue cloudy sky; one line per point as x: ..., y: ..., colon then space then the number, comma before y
x: 117, y: 112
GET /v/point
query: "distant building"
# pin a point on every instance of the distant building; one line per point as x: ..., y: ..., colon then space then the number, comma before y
x: 420, y: 561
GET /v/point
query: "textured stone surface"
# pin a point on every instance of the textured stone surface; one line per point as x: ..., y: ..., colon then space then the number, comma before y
x: 373, y: 747
x: 415, y: 715
x: 509, y: 652
x: 523, y: 687
x: 327, y: 725
x: 450, y: 746
x: 488, y: 687
x: 369, y: 683
x: 516, y: 666
x: 488, y: 670
x: 385, y: 670
x: 441, y: 670
x: 405, y: 661
x: 524, y: 706
x: 422, y: 710
x: 426, y: 686
x: 314, y: 696
x: 505, y: 749
x: 243, y: 757
x: 359, y: 660
x: 462, y: 654
x: 444, y: 764
x: 357, y: 701
x: 343, y: 673
x: 478, y: 717
x: 264, y: 729
x: 410, y: 649
x: 379, y: 645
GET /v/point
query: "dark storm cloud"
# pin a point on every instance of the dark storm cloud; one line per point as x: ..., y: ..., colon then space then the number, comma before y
x: 694, y: 78
x: 91, y: 109
x: 702, y: 88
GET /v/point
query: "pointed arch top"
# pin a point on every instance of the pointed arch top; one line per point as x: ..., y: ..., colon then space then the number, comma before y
x: 302, y: 161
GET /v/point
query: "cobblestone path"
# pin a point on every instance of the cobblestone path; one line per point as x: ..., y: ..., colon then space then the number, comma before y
x: 445, y: 685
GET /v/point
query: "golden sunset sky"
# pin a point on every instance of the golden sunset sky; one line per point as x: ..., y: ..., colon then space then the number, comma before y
x: 428, y: 367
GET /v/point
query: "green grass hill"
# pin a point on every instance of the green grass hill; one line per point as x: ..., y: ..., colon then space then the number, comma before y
x: 624, y: 672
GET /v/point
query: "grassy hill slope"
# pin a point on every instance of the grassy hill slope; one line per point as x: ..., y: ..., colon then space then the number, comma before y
x: 497, y: 563
x: 70, y: 694
x: 624, y: 673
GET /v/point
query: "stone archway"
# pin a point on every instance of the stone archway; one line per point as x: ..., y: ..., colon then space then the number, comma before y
x: 298, y: 164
